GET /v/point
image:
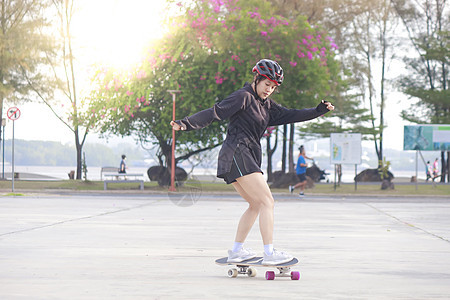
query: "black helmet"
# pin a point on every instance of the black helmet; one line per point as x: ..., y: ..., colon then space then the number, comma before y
x: 269, y: 69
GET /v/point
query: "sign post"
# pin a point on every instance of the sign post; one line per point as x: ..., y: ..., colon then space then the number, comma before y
x: 346, y: 149
x: 13, y: 114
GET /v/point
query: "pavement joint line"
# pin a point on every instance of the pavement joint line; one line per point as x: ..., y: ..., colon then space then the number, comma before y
x: 406, y: 223
x: 79, y: 219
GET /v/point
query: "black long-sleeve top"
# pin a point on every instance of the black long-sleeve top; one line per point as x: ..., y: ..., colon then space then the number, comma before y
x: 249, y: 118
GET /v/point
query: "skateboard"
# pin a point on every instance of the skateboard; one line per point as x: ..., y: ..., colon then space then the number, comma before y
x: 247, y: 267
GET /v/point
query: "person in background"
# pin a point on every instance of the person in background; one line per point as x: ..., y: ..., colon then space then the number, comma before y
x: 435, y: 168
x: 301, y: 172
x: 123, y: 166
x: 428, y: 170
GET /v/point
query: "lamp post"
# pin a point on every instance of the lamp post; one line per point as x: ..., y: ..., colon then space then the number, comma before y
x: 172, y: 172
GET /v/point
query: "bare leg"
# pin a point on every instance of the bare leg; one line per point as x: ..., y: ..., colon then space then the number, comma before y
x: 301, y: 185
x: 254, y: 189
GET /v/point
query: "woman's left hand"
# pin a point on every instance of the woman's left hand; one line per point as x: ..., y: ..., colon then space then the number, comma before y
x: 328, y: 104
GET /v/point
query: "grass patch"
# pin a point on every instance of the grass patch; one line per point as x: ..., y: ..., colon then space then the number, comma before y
x: 375, y: 189
x: 322, y: 188
x: 14, y: 194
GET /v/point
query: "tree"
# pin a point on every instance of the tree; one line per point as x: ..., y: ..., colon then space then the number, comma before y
x: 65, y: 104
x: 210, y: 50
x: 370, y: 45
x: 336, y: 17
x: 23, y: 41
x: 428, y: 27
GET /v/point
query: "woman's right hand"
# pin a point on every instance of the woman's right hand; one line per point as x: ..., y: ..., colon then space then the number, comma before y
x: 175, y: 126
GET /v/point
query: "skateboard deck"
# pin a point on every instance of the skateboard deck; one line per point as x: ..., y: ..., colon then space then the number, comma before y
x: 247, y: 267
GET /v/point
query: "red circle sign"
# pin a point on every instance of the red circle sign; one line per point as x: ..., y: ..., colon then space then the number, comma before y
x: 13, y: 113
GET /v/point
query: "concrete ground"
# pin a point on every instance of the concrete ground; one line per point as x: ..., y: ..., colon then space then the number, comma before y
x: 150, y: 246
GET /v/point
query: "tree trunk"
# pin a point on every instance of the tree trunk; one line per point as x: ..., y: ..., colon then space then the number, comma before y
x: 291, y: 149
x: 443, y: 166
x: 383, y: 80
x: 283, y: 155
x: 79, y: 148
x: 269, y: 159
x: 448, y: 166
x: 270, y: 151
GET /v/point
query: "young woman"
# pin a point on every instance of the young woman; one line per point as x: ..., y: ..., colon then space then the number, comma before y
x: 250, y: 111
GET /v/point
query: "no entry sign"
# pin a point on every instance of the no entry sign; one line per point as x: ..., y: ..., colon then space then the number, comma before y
x: 13, y: 113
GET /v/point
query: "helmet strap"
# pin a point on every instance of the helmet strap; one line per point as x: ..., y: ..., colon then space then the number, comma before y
x: 255, y: 82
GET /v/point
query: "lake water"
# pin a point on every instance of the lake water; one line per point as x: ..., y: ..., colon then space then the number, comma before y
x: 61, y: 172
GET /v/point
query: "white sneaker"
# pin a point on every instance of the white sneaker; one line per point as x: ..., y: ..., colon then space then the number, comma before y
x: 291, y: 189
x: 278, y: 257
x: 241, y: 255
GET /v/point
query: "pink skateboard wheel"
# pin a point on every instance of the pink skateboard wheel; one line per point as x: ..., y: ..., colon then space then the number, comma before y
x: 295, y: 275
x: 270, y: 275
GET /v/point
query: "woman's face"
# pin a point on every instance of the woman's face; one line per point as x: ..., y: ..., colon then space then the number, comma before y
x: 265, y: 88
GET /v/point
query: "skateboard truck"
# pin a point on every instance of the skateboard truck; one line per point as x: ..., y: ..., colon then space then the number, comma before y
x: 245, y: 270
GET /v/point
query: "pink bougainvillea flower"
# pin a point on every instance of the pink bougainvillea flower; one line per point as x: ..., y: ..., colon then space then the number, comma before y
x: 141, y: 74
x: 264, y: 33
x: 254, y: 15
x: 310, y: 56
x: 129, y: 93
x: 235, y: 57
x: 293, y: 63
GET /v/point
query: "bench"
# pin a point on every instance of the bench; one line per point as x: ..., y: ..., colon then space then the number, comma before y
x: 123, y: 177
x: 108, y: 169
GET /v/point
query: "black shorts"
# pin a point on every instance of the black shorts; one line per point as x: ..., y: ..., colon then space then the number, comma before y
x: 302, y: 177
x: 238, y: 168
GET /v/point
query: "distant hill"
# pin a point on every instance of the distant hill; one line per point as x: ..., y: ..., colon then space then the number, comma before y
x: 47, y: 153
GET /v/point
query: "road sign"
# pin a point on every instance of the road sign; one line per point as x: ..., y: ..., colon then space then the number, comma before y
x: 13, y: 113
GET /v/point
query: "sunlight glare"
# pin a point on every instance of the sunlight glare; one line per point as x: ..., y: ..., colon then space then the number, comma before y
x: 115, y: 33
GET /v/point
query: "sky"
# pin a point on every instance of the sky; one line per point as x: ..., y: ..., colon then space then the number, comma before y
x: 108, y: 32
x: 114, y: 32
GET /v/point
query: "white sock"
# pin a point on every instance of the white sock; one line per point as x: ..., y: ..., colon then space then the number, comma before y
x: 237, y: 247
x: 268, y: 249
